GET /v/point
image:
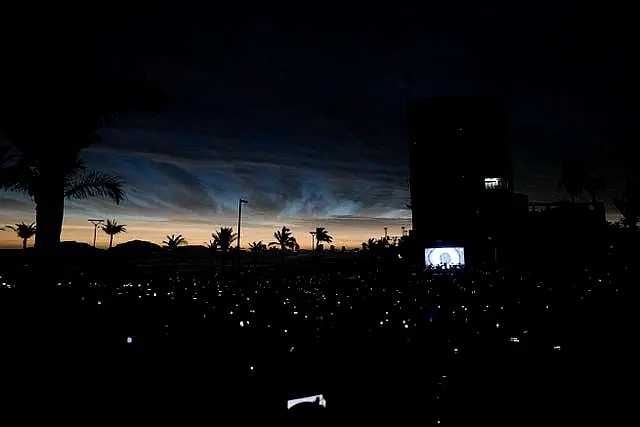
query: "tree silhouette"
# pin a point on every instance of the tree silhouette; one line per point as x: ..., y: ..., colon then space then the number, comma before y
x: 112, y: 228
x: 322, y: 236
x: 50, y: 120
x: 24, y: 231
x: 173, y: 242
x: 224, y: 238
x: 36, y: 178
x: 284, y: 239
x: 257, y: 248
x: 629, y: 204
x: 368, y: 245
x: 212, y: 245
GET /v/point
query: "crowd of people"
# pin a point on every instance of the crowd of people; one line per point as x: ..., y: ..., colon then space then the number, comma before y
x: 370, y: 338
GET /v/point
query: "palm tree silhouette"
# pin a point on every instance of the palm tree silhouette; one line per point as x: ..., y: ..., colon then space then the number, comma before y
x: 174, y: 241
x: 284, y: 239
x: 24, y: 231
x: 368, y: 245
x: 322, y: 236
x: 213, y: 248
x: 50, y: 184
x: 629, y: 204
x: 50, y: 124
x: 257, y: 248
x: 225, y: 238
x: 112, y: 228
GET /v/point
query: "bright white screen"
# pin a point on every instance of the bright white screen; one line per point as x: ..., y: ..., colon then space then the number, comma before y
x: 310, y: 399
x: 442, y: 256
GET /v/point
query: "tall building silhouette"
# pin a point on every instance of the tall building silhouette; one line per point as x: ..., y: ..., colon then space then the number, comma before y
x: 460, y: 169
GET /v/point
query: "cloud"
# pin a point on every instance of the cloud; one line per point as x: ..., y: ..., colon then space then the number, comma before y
x: 203, y: 173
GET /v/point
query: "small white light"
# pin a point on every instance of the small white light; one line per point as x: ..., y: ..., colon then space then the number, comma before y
x: 497, y: 325
x: 129, y: 340
x: 406, y: 326
x: 251, y: 367
x: 99, y: 302
x: 285, y: 331
x: 241, y: 324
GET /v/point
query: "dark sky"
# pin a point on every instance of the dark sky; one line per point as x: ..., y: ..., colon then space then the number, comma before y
x: 300, y: 108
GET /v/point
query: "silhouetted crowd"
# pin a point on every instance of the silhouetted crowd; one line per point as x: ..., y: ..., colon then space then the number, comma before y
x: 444, y: 345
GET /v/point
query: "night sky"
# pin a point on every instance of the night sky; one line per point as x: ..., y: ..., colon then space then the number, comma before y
x: 301, y: 110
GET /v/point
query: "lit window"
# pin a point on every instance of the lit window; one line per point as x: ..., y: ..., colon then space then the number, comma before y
x: 493, y: 183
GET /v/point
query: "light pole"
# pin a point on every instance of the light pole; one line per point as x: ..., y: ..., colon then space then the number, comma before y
x: 95, y: 223
x: 386, y: 235
x: 313, y: 247
x: 240, y: 202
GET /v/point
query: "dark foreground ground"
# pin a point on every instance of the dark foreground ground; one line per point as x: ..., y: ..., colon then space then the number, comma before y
x: 65, y: 354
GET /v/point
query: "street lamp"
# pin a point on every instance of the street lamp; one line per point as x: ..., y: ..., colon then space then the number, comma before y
x: 313, y: 248
x: 95, y: 223
x: 240, y: 202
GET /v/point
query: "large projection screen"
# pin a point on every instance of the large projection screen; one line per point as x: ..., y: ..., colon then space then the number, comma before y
x: 444, y: 256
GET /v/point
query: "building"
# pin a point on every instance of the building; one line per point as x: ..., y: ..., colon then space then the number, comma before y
x: 460, y: 173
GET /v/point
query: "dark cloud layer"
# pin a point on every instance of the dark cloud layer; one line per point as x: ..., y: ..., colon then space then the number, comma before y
x: 301, y: 110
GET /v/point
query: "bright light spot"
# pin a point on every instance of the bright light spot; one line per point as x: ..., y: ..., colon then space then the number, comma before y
x: 497, y: 325
x: 406, y: 326
x: 99, y: 302
x: 241, y: 324
x: 285, y: 331
x: 556, y: 347
x: 514, y: 339
x: 129, y: 340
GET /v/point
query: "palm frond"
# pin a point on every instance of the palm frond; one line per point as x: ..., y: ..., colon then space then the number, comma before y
x: 174, y: 241
x: 113, y: 228
x: 23, y: 230
x: 95, y: 184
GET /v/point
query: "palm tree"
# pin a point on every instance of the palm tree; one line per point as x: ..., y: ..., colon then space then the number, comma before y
x: 225, y: 238
x: 629, y: 204
x: 24, y: 231
x: 322, y: 236
x: 369, y: 244
x: 213, y: 248
x: 257, y: 248
x: 284, y: 239
x: 174, y: 241
x: 112, y: 228
x: 49, y: 124
x: 50, y: 184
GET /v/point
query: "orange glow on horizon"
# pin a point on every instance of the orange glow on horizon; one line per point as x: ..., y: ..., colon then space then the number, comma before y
x: 196, y: 233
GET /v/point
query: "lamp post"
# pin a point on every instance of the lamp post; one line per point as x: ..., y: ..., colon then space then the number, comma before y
x: 240, y: 203
x: 313, y: 247
x: 95, y: 223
